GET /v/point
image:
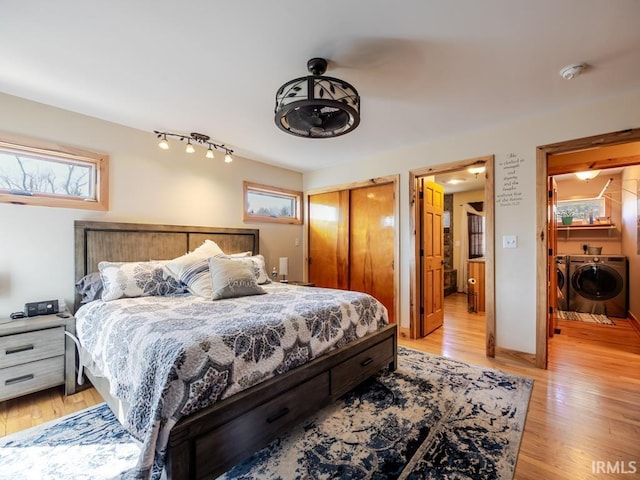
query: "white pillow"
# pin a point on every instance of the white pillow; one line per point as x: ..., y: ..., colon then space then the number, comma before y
x: 136, y: 279
x: 192, y: 269
x: 230, y: 279
x: 257, y: 264
x: 240, y: 255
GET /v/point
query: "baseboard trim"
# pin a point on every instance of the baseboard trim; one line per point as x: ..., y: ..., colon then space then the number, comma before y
x: 404, y: 332
x: 634, y: 322
x: 528, y: 359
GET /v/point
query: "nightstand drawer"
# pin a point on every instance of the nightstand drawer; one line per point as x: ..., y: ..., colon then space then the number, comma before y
x: 31, y: 377
x: 29, y: 346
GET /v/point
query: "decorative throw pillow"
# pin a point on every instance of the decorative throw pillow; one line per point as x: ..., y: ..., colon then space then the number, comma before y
x: 230, y: 279
x: 136, y: 279
x: 90, y: 287
x: 257, y: 264
x: 192, y: 269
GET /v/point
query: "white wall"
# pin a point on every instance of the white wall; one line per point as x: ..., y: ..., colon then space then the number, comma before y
x: 147, y: 185
x: 631, y: 232
x: 515, y: 268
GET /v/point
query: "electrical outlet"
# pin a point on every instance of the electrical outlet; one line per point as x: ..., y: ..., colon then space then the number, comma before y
x: 509, y: 241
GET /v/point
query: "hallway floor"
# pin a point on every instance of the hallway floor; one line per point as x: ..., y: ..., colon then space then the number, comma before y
x: 584, y: 415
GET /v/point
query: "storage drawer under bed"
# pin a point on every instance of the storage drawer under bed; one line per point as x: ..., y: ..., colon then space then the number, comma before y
x: 257, y: 427
x: 358, y: 368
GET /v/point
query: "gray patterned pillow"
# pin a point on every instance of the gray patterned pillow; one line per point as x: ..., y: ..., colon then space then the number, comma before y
x: 136, y: 279
x: 257, y: 264
x: 230, y: 279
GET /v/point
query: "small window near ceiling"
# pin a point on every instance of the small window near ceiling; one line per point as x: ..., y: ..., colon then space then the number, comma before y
x: 33, y: 172
x: 263, y: 203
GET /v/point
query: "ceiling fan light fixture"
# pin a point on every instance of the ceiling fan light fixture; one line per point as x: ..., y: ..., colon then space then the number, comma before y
x: 316, y: 106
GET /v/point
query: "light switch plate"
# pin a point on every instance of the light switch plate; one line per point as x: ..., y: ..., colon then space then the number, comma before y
x: 509, y: 241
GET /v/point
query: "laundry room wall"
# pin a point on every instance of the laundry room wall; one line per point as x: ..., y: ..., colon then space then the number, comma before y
x: 631, y: 234
x: 572, y: 238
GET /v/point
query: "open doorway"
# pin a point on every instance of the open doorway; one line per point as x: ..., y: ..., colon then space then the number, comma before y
x: 600, y: 153
x: 420, y: 290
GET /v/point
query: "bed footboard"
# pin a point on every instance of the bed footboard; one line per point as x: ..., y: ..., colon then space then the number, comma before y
x: 209, y: 442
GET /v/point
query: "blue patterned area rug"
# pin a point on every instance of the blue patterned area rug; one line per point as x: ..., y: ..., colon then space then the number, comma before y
x: 433, y: 418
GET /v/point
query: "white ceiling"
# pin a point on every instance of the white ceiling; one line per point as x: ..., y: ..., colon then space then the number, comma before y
x: 425, y: 69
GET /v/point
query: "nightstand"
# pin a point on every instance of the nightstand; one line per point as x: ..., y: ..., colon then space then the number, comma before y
x: 36, y: 354
x: 300, y: 283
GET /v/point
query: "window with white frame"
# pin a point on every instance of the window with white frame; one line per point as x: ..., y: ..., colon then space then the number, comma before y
x: 263, y: 203
x: 33, y: 172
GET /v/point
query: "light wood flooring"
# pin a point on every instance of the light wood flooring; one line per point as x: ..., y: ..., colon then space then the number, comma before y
x: 584, y: 409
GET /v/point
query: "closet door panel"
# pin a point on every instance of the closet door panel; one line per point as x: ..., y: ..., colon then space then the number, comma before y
x: 329, y: 239
x: 371, y: 243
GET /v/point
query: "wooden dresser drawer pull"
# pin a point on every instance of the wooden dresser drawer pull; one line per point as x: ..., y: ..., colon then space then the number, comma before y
x: 279, y: 415
x: 24, y: 348
x: 366, y: 362
x: 24, y: 378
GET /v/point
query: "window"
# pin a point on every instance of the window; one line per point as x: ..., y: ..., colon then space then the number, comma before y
x: 476, y: 235
x: 271, y: 204
x: 583, y: 208
x: 34, y: 172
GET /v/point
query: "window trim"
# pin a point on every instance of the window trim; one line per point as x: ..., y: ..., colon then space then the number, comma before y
x: 64, y: 153
x: 256, y: 187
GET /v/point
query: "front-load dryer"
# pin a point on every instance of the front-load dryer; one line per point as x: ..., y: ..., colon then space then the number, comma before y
x: 562, y: 281
x: 598, y: 284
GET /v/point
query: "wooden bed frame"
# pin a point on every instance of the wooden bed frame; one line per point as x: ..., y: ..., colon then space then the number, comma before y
x: 210, y: 441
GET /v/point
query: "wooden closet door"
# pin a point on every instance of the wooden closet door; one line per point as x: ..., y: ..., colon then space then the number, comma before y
x: 371, y: 242
x: 329, y: 239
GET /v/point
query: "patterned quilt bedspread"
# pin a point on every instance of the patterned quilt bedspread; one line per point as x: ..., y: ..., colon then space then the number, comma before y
x: 170, y: 356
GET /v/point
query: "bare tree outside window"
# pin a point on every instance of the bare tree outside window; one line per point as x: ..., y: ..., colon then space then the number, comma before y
x: 21, y: 174
x: 263, y: 203
x: 36, y: 173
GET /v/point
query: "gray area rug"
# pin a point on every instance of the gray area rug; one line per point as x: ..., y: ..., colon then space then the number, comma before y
x: 433, y: 418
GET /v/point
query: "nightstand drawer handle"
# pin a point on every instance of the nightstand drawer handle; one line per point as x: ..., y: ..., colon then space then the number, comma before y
x: 24, y: 378
x: 24, y: 348
x: 278, y: 415
x: 366, y: 362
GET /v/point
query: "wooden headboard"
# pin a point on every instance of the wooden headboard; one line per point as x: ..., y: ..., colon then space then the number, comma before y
x: 130, y: 242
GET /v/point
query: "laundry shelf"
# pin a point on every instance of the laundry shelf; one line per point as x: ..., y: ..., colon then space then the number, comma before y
x: 608, y: 227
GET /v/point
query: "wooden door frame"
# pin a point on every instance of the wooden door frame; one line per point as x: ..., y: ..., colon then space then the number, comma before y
x: 414, y: 280
x: 546, y: 168
x: 395, y: 179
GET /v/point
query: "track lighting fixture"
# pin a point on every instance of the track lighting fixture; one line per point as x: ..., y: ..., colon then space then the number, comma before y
x: 196, y: 138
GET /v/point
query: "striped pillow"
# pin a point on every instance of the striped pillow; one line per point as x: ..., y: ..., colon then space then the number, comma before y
x: 192, y: 269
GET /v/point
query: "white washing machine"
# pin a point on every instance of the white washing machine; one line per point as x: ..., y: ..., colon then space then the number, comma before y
x: 562, y: 268
x: 598, y: 284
